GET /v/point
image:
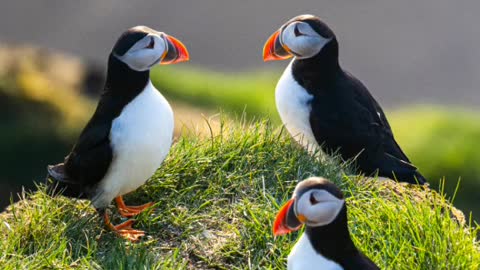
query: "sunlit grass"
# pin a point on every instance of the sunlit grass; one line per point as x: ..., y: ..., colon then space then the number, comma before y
x: 216, y: 201
x: 441, y: 141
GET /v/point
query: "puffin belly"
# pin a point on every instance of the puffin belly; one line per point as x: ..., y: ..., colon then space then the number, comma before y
x: 293, y: 105
x: 141, y: 137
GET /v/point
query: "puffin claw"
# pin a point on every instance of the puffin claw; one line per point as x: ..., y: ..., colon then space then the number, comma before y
x: 124, y: 229
x: 130, y: 211
x: 131, y: 235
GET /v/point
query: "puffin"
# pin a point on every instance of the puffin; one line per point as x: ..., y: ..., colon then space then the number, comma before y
x: 129, y: 134
x: 322, y: 105
x: 319, y: 205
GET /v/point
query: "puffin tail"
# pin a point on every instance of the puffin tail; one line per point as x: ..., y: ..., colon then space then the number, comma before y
x: 58, y: 183
x: 413, y: 177
x: 401, y: 171
x: 420, y: 178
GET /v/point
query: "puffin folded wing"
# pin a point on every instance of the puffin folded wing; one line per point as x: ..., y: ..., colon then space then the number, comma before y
x: 58, y: 183
x: 57, y: 172
x: 90, y: 158
x: 85, y: 166
x: 400, y: 170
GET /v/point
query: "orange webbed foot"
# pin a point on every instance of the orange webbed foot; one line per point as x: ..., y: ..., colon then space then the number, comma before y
x: 124, y: 229
x: 130, y: 211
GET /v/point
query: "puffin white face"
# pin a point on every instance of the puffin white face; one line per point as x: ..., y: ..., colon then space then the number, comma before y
x: 145, y: 53
x: 317, y: 207
x: 141, y: 47
x: 303, y: 37
x: 316, y: 202
x: 301, y: 40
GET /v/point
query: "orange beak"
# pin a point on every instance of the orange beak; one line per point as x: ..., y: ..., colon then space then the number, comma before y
x: 280, y: 225
x: 176, y: 52
x: 274, y: 49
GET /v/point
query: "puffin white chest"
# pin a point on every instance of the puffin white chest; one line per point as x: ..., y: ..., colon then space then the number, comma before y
x: 141, y: 137
x: 304, y: 257
x: 293, y: 105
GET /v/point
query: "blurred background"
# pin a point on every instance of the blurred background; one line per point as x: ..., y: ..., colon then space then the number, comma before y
x: 419, y: 58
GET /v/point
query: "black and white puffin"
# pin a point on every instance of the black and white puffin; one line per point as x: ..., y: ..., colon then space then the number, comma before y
x: 130, y: 133
x: 321, y: 104
x: 326, y: 244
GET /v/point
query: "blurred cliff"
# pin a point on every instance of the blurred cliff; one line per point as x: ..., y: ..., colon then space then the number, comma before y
x: 405, y: 51
x: 41, y: 109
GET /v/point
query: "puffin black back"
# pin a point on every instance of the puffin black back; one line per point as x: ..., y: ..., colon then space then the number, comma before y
x: 333, y: 241
x: 320, y: 205
x: 90, y: 158
x: 342, y: 114
x: 130, y: 133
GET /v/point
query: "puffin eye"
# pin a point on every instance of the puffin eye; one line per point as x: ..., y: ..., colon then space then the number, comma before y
x: 151, y: 44
x: 297, y: 32
x: 313, y: 201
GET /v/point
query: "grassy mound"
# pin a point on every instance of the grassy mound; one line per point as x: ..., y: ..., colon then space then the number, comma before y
x: 216, y: 201
x: 440, y: 141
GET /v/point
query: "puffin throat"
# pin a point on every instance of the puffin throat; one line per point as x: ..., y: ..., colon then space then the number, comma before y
x: 121, y: 78
x: 332, y: 239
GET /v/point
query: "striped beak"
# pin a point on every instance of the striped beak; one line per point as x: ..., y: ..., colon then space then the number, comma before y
x: 286, y: 220
x: 176, y: 52
x: 274, y: 49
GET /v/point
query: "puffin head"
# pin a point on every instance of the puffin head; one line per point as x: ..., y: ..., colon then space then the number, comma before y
x: 303, y: 37
x: 141, y: 47
x: 315, y: 202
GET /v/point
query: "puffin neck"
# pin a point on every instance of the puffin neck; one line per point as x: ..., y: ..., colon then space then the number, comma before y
x: 333, y: 240
x: 320, y: 71
x: 124, y: 81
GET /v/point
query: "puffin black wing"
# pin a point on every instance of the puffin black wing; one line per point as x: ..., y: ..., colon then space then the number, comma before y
x: 355, y: 125
x: 363, y: 97
x: 90, y: 158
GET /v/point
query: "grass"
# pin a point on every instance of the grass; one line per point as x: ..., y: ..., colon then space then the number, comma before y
x: 441, y: 141
x: 216, y: 201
